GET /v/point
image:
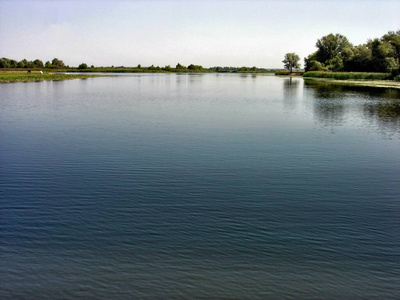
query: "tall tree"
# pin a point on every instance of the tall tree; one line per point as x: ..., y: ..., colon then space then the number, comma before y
x: 331, y: 46
x: 180, y: 67
x: 383, y: 56
x: 4, y: 63
x: 82, y: 66
x: 358, y: 59
x: 57, y: 63
x: 393, y: 38
x: 38, y: 63
x: 194, y: 67
x: 291, y: 61
x: 13, y: 63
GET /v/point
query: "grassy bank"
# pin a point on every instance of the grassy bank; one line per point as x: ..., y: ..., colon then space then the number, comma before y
x: 286, y: 73
x: 354, y: 78
x: 23, y: 76
x: 348, y: 75
x: 354, y: 82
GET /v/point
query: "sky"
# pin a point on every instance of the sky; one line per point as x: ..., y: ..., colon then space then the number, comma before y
x: 202, y: 32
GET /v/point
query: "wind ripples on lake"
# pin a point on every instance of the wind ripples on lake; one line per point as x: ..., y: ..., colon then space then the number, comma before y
x: 201, y: 186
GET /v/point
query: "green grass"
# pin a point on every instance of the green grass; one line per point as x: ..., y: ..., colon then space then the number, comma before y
x: 18, y: 76
x: 286, y: 72
x: 356, y: 82
x: 282, y: 73
x: 348, y: 75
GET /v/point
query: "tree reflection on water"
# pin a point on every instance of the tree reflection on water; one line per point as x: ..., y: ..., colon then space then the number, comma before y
x: 334, y: 104
x: 291, y: 91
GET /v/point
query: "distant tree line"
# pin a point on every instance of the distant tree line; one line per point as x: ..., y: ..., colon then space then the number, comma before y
x: 59, y: 64
x: 336, y: 53
x: 30, y: 64
x: 168, y: 68
x: 238, y: 69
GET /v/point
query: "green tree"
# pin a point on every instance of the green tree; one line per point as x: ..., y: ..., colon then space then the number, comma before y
x: 23, y: 64
x: 194, y: 67
x: 331, y: 46
x: 393, y: 38
x: 13, y: 63
x: 381, y: 51
x: 47, y: 64
x: 180, y: 67
x: 57, y: 63
x: 38, y: 63
x: 4, y: 63
x: 82, y: 66
x: 392, y: 64
x: 309, y: 62
x: 358, y: 59
x: 291, y: 61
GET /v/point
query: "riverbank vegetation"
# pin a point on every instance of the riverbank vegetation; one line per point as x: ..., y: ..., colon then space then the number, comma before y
x: 23, y: 76
x: 355, y: 82
x: 348, y: 75
x: 286, y: 73
x: 336, y: 53
x: 57, y: 65
x: 337, y: 59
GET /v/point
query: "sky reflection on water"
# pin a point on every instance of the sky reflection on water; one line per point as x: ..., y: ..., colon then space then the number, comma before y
x: 198, y: 186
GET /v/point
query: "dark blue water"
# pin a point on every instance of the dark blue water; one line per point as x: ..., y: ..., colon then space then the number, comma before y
x: 199, y: 187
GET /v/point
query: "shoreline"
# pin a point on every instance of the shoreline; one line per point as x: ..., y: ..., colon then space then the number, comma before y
x: 358, y: 82
x: 36, y: 76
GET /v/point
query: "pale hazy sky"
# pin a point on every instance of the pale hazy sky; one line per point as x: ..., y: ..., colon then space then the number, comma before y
x: 165, y: 32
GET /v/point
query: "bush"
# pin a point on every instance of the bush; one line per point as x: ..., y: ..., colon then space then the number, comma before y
x: 316, y: 66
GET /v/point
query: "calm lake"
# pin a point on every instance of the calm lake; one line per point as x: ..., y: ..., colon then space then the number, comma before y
x: 202, y: 186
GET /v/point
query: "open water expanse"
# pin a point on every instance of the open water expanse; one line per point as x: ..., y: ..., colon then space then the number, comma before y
x: 202, y: 186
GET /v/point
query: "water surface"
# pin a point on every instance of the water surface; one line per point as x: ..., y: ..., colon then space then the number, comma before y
x: 199, y: 186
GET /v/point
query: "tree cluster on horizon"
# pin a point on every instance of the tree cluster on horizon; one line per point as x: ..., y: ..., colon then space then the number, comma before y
x: 336, y: 53
x: 59, y: 64
x: 37, y: 63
